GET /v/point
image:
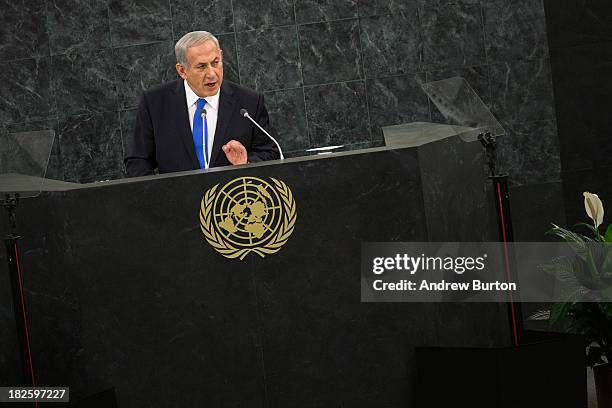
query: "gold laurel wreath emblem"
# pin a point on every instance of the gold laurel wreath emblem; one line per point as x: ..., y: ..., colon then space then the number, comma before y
x: 272, y: 246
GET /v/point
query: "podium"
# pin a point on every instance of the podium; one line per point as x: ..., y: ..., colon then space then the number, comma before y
x: 125, y: 292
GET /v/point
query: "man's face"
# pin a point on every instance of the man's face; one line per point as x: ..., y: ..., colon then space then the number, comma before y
x: 204, y: 72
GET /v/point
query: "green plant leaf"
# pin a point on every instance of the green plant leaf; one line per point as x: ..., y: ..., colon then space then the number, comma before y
x: 540, y: 315
x: 590, y: 227
x: 562, y: 268
x: 568, y: 236
x: 608, y: 235
x: 606, y: 309
x: 559, y: 311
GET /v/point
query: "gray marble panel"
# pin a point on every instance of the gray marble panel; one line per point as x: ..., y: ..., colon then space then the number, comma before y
x: 25, y: 91
x: 529, y: 152
x: 23, y: 30
x: 256, y: 14
x: 391, y: 44
x: 84, y: 83
x: 515, y: 29
x: 54, y: 166
x: 476, y: 77
x: 313, y: 11
x: 330, y: 52
x: 78, y: 25
x: 139, y: 21
x: 337, y: 114
x: 230, y: 57
x: 453, y: 36
x: 215, y: 16
x: 127, y: 121
x: 288, y: 118
x: 269, y: 59
x: 140, y: 67
x: 396, y: 100
x: 91, y: 148
x: 521, y: 91
x: 425, y: 3
x: 368, y: 8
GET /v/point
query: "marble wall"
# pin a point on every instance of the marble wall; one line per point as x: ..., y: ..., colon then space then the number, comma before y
x: 333, y: 71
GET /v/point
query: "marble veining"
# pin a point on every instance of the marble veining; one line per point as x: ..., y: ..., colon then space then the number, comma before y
x: 269, y: 59
x: 25, y: 91
x: 330, y: 52
x: 313, y: 11
x: 452, y: 36
x: 127, y: 123
x: 287, y: 112
x: 76, y: 25
x: 521, y: 91
x: 391, y: 45
x: 337, y: 114
x: 368, y: 8
x: 84, y: 82
x: 214, y: 16
x: 256, y: 14
x: 396, y: 100
x: 23, y: 32
x: 91, y: 147
x: 139, y: 21
x: 514, y: 30
x: 138, y: 68
x: 230, y: 57
x: 315, y: 60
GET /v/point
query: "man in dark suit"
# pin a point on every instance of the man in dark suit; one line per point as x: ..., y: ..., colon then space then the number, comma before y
x: 195, y: 122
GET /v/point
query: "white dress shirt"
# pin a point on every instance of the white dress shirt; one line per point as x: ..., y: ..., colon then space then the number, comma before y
x: 212, y: 113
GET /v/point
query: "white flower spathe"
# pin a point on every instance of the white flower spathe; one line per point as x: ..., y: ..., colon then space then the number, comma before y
x: 593, y: 207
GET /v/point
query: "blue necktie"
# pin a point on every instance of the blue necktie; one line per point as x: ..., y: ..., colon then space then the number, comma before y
x: 200, y: 127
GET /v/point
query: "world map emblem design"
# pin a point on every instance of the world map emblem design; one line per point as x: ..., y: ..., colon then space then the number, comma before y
x: 246, y: 215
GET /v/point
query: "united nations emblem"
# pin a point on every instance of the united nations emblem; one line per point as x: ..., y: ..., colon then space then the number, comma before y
x: 246, y: 215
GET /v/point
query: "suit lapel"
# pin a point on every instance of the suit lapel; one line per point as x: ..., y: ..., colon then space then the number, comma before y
x: 179, y: 110
x: 226, y: 111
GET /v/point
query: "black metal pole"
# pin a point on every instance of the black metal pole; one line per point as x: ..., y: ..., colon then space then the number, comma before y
x: 19, y: 303
x: 506, y: 233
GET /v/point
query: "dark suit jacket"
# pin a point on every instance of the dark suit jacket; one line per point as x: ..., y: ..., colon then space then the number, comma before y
x: 163, y: 137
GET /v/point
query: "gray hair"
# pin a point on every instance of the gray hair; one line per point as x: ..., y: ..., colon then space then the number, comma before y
x: 189, y: 40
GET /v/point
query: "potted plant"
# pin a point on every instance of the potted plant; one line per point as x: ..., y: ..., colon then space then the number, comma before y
x: 590, y: 271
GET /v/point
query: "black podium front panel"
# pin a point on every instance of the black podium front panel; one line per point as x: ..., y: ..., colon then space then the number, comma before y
x: 124, y: 290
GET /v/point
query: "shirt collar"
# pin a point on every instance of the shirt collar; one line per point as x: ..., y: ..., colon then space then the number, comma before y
x: 192, y: 98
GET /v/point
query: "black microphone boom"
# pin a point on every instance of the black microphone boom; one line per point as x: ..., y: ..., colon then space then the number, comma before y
x: 245, y: 113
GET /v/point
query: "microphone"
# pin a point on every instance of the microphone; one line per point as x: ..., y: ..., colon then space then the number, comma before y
x: 203, y: 112
x: 245, y: 113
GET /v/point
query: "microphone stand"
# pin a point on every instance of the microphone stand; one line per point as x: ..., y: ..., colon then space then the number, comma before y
x: 245, y: 113
x: 506, y: 234
x: 11, y: 241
